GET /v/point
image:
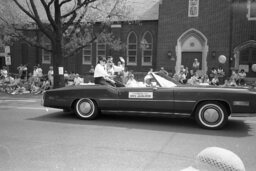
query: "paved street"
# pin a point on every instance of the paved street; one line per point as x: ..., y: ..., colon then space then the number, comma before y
x: 36, y: 138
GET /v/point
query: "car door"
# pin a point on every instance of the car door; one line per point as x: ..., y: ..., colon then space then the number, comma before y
x: 146, y: 99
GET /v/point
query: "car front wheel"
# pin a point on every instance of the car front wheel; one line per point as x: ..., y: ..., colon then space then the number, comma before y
x: 86, y: 109
x: 211, y: 115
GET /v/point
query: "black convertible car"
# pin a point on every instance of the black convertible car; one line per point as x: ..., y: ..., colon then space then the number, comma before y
x: 210, y: 106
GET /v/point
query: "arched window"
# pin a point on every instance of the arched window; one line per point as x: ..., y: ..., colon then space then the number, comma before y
x: 147, y: 49
x: 132, y: 49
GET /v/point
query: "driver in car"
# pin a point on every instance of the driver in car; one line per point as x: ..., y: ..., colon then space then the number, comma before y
x: 148, y: 81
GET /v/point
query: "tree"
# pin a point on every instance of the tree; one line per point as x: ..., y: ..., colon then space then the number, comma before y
x: 69, y: 25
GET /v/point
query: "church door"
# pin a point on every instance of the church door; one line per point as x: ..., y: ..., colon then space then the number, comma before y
x: 188, y: 59
x: 248, y: 58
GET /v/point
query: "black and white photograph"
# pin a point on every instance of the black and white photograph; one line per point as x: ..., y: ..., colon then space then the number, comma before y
x: 128, y: 85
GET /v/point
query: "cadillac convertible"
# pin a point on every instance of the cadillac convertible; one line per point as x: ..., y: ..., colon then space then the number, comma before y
x: 210, y: 106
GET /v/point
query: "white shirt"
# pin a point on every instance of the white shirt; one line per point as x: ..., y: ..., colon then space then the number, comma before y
x: 39, y: 72
x: 100, y: 71
x: 35, y: 73
x: 50, y: 74
x: 118, y: 69
x: 4, y: 73
x: 78, y: 80
x: 131, y: 83
x: 242, y: 74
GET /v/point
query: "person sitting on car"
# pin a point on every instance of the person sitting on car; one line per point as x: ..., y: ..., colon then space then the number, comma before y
x: 215, y: 80
x: 241, y: 77
x: 78, y: 80
x: 100, y: 74
x: 131, y: 81
x: 234, y: 76
x: 147, y: 80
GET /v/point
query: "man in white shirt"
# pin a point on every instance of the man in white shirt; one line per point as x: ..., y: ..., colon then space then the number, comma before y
x: 100, y: 74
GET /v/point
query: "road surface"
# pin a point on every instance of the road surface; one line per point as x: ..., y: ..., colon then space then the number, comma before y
x: 36, y: 138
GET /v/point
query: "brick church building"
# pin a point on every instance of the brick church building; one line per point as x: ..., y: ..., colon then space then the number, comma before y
x: 175, y: 31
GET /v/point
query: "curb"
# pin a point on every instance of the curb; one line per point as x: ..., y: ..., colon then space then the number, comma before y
x: 5, y: 96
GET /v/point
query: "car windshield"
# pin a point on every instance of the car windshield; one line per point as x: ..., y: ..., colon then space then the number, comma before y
x: 153, y: 79
x: 163, y: 82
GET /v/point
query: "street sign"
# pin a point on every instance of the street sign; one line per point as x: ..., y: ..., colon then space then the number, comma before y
x: 8, y: 60
x: 7, y: 49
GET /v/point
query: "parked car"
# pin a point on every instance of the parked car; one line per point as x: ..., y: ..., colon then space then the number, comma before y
x: 210, y: 106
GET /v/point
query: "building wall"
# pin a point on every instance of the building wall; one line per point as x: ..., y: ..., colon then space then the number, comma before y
x: 243, y: 29
x: 223, y: 23
x: 23, y: 53
x: 212, y: 22
x: 139, y: 28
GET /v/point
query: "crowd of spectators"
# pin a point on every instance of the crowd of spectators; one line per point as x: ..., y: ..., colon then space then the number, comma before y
x: 216, y: 77
x: 36, y: 82
x: 24, y: 82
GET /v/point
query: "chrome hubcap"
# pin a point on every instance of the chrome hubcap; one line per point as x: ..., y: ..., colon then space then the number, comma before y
x: 211, y: 115
x: 85, y: 107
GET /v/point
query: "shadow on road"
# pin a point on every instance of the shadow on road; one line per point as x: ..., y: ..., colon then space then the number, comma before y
x: 234, y: 128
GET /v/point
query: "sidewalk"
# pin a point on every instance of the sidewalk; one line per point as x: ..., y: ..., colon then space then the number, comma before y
x: 5, y: 96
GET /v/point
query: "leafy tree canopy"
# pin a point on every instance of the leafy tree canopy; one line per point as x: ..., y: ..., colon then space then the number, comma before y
x: 71, y: 23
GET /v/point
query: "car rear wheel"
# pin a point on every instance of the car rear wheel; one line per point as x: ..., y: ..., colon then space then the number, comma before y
x: 86, y: 109
x: 211, y: 115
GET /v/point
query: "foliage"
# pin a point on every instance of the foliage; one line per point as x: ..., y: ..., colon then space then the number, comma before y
x: 68, y: 22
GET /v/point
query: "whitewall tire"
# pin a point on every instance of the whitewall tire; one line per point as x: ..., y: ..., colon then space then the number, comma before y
x: 211, y: 115
x: 86, y: 109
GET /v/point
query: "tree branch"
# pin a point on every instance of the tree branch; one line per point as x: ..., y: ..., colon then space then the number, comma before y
x: 34, y: 17
x: 30, y: 42
x: 50, y: 3
x: 64, y: 1
x: 30, y: 10
x: 24, y: 10
x: 47, y: 32
x: 4, y: 20
x: 48, y: 12
x: 70, y: 22
x: 76, y: 50
x: 113, y: 8
x: 79, y: 6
